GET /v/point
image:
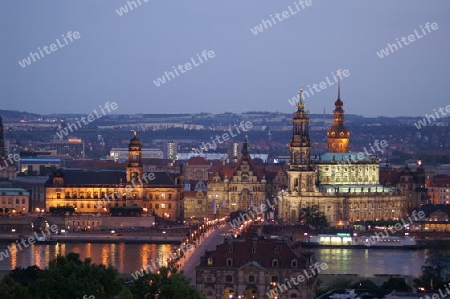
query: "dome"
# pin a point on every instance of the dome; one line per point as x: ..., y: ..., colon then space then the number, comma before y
x: 135, y: 141
x: 338, y: 131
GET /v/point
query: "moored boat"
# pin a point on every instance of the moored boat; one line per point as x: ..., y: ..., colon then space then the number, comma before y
x: 345, y: 240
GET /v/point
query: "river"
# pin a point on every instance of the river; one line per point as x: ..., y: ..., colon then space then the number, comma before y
x: 128, y: 258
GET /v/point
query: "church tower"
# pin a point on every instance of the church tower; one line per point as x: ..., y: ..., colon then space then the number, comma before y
x: 134, y: 167
x: 300, y: 145
x: 301, y: 175
x: 338, y: 136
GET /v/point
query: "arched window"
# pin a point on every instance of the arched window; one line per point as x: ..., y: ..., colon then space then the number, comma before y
x: 294, y: 263
x: 229, y: 262
x: 274, y: 263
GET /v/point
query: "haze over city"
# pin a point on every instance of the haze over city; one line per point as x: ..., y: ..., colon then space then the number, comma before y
x: 118, y: 55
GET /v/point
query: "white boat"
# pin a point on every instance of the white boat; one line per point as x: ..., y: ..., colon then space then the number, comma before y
x: 346, y: 240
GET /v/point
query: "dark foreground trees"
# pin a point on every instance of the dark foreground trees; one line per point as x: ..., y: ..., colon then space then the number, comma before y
x: 312, y: 216
x: 436, y: 265
x: 169, y: 284
x: 69, y: 277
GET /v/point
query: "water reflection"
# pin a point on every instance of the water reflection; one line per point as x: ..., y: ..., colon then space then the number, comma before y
x: 368, y: 262
x: 128, y: 258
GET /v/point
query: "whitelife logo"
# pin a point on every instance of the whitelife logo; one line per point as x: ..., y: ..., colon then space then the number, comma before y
x: 411, y: 38
x: 86, y: 120
x: 213, y: 145
x: 124, y: 9
x: 281, y: 16
x: 71, y: 36
x: 187, y: 67
x: 423, y: 122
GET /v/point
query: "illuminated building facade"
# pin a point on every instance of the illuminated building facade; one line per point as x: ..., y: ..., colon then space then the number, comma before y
x: 159, y: 193
x: 343, y: 184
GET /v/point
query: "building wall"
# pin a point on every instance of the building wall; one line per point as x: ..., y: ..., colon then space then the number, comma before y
x: 439, y: 194
x: 333, y: 173
x: 196, y: 205
x: 14, y: 201
x: 164, y: 202
x: 342, y: 208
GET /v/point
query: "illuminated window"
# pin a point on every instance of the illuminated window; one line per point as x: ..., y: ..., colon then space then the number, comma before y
x: 163, y: 206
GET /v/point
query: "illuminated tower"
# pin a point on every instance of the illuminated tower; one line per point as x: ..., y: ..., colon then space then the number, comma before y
x: 301, y: 175
x: 338, y: 136
x: 300, y: 145
x: 134, y: 167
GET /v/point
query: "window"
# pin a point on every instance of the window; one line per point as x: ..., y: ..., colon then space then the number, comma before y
x: 275, y: 263
x: 210, y: 261
x: 170, y: 196
x: 230, y: 249
x: 294, y: 263
x: 228, y: 278
x: 156, y: 206
x: 170, y: 205
x: 17, y: 201
x: 251, y: 279
x: 23, y: 201
x: 199, y: 201
x: 253, y: 250
x: 58, y: 195
x: 229, y: 262
x: 163, y: 206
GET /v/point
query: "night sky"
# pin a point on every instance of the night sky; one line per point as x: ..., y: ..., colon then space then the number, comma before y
x: 117, y: 58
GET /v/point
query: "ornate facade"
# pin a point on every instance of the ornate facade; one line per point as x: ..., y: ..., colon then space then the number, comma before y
x: 257, y: 268
x: 343, y: 184
x: 160, y: 193
x: 241, y: 185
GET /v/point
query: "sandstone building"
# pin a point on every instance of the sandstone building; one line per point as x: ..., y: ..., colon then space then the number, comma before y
x: 343, y: 184
x: 159, y: 193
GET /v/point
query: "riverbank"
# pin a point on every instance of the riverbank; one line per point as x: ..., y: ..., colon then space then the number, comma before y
x: 99, y: 238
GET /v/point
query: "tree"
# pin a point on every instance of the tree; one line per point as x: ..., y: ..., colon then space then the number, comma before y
x: 10, y: 289
x: 312, y: 216
x: 396, y: 284
x: 365, y: 284
x: 168, y: 283
x: 436, y: 263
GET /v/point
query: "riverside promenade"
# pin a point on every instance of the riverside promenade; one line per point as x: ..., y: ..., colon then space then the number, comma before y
x: 99, y: 238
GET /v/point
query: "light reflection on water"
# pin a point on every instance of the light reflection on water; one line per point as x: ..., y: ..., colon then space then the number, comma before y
x: 128, y: 258
x: 367, y: 262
